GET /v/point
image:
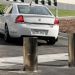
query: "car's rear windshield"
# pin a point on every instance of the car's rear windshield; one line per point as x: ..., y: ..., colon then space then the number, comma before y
x: 39, y: 10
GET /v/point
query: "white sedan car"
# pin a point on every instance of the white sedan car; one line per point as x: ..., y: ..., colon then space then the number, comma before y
x: 20, y: 20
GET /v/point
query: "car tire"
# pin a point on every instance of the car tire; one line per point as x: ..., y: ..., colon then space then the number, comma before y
x: 51, y: 41
x: 6, y: 35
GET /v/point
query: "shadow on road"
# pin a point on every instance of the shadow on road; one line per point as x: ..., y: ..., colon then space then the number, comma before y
x: 16, y: 41
x: 57, y: 63
x: 60, y: 45
x: 13, y: 41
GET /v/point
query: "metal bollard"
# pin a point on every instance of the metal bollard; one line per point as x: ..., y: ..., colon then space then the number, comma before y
x: 30, y: 53
x: 71, y: 42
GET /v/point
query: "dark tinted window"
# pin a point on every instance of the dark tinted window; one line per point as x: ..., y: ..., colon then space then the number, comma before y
x: 23, y: 9
x: 33, y: 10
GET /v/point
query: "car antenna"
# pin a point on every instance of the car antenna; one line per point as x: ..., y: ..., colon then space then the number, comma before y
x: 31, y: 3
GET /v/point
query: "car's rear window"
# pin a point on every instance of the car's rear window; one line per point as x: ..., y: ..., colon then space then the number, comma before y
x: 25, y: 9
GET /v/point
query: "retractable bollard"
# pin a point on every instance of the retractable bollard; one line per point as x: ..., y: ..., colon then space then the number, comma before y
x: 71, y: 49
x: 30, y: 53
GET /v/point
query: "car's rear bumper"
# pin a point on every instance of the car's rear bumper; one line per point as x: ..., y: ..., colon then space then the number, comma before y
x: 23, y: 30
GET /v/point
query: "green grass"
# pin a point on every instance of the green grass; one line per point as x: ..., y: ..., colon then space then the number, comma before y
x: 62, y: 12
x: 66, y: 12
x: 2, y: 8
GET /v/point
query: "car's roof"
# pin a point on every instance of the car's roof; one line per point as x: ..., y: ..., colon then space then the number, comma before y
x: 27, y: 4
x: 20, y: 3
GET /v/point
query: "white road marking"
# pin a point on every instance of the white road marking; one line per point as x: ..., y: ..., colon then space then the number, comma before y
x: 52, y: 57
x: 10, y: 61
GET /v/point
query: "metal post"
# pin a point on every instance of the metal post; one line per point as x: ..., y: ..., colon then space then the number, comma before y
x: 71, y: 49
x: 30, y: 53
x: 56, y: 10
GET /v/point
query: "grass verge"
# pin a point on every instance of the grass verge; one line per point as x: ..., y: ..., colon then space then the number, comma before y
x: 62, y: 12
x: 2, y: 8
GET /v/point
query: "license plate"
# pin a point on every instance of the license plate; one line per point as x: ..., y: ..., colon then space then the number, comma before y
x: 39, y: 32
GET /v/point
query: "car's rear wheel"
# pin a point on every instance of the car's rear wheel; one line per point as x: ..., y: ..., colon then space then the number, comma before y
x: 6, y: 35
x: 51, y: 41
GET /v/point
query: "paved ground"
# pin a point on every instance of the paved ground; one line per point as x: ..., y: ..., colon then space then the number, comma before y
x: 52, y: 60
x: 43, y: 70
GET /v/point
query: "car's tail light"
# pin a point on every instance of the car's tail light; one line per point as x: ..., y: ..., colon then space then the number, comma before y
x: 19, y: 19
x: 56, y: 21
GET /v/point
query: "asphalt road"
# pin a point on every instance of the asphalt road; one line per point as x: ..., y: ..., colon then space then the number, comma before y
x: 15, y: 47
x: 52, y: 60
